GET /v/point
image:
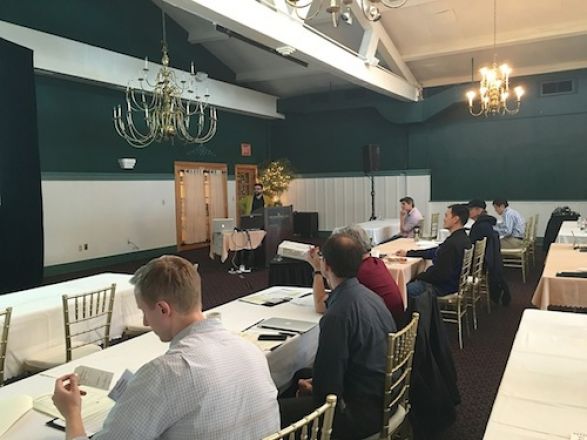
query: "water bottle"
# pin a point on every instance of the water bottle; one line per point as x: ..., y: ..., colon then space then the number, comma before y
x: 417, y: 233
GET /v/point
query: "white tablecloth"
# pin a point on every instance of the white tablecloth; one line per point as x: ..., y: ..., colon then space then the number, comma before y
x: 565, y: 234
x: 381, y: 230
x: 283, y: 362
x: 37, y: 315
x: 543, y: 392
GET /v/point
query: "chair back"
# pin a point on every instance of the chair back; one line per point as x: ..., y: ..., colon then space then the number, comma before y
x: 478, y: 258
x: 309, y: 427
x: 529, y: 231
x: 465, y: 269
x: 434, y: 224
x: 4, y: 326
x: 398, y: 371
x: 87, y: 319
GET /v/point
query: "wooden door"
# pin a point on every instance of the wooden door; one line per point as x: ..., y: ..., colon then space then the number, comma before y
x: 193, y: 209
x: 245, y: 177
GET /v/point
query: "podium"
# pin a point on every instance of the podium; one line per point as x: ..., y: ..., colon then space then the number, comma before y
x: 278, y: 222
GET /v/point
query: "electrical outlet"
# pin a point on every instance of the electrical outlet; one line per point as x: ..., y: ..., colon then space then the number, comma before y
x: 80, y: 248
x: 85, y: 246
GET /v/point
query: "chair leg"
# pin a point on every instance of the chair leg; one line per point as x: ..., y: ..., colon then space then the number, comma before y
x: 523, y: 269
x: 477, y: 294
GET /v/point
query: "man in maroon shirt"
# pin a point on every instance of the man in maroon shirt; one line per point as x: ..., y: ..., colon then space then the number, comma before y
x: 373, y: 274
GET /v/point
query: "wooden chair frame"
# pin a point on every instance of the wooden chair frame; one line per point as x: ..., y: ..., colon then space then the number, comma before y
x: 398, y: 373
x: 5, y: 315
x: 434, y: 223
x: 311, y: 422
x: 86, y: 308
x: 453, y: 307
x: 474, y: 280
x: 518, y: 258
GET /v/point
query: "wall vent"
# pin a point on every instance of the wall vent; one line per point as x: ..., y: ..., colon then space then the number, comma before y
x: 564, y: 87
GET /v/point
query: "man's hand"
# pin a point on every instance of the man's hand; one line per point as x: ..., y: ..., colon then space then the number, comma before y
x: 67, y: 396
x: 402, y: 213
x: 313, y: 258
x: 304, y: 387
x: 401, y: 253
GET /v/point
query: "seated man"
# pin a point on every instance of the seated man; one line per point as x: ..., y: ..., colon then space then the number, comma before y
x: 512, y: 228
x: 483, y: 228
x: 409, y: 217
x: 351, y: 356
x: 210, y: 384
x: 372, y: 274
x: 443, y: 276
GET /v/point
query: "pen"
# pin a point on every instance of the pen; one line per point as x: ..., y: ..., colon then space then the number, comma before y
x: 305, y: 294
x: 253, y: 325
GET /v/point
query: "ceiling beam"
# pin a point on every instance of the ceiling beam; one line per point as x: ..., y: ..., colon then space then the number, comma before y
x: 94, y: 64
x: 505, y: 40
x: 272, y: 74
x: 259, y: 22
x: 389, y: 51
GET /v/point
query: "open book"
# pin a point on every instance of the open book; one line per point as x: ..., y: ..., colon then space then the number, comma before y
x: 12, y: 409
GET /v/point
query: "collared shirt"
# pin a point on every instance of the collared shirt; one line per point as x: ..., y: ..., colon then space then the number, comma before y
x: 211, y: 384
x: 351, y: 355
x: 513, y: 224
x: 411, y: 220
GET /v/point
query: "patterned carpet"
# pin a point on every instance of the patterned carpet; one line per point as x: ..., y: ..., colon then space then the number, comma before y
x: 480, y: 364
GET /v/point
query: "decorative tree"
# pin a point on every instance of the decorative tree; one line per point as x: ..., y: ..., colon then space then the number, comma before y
x: 275, y: 177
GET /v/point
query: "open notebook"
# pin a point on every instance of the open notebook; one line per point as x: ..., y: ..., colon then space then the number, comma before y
x: 12, y: 409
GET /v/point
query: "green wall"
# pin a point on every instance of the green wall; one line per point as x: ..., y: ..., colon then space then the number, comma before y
x: 539, y: 154
x: 76, y: 132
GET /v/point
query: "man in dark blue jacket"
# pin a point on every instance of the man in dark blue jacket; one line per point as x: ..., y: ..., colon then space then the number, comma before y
x: 483, y: 227
x: 443, y: 276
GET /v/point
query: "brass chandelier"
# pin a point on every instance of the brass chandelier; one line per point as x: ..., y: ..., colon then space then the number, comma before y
x: 161, y: 109
x: 341, y: 9
x: 494, y: 87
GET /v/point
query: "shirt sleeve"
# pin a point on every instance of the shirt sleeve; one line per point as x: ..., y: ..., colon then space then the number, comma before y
x: 143, y: 412
x: 506, y: 228
x: 331, y: 359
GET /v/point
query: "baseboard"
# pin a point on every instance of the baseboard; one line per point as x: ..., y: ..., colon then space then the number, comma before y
x: 78, y: 266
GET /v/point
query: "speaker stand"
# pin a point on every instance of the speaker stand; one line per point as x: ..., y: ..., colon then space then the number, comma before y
x: 373, y: 217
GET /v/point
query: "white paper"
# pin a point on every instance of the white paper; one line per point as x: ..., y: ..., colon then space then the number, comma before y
x: 92, y: 377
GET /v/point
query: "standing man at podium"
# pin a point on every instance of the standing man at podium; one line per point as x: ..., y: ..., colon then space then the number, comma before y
x: 255, y: 202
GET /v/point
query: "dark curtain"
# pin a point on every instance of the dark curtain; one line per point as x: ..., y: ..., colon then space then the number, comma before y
x: 21, y: 209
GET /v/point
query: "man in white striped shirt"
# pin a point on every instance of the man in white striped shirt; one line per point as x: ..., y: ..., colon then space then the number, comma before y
x: 210, y: 384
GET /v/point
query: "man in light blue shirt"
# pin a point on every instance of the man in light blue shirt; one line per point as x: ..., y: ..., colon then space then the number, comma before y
x: 512, y: 227
x: 210, y: 384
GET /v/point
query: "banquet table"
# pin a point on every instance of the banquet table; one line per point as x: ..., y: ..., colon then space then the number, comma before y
x: 570, y: 233
x: 405, y: 269
x: 239, y: 240
x: 37, y: 315
x: 562, y: 291
x: 543, y: 392
x: 297, y: 352
x: 381, y: 230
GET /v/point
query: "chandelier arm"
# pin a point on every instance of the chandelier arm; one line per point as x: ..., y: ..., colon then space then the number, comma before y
x: 121, y: 130
x: 136, y: 133
x: 198, y: 138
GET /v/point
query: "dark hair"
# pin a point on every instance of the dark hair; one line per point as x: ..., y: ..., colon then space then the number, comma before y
x: 477, y: 203
x: 499, y: 202
x: 258, y: 184
x: 461, y: 211
x: 407, y: 199
x: 343, y: 254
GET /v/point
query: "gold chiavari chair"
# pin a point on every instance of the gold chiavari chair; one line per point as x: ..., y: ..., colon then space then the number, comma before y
x: 434, y: 219
x: 309, y: 427
x: 453, y: 307
x: 87, y: 319
x: 474, y: 281
x: 4, y: 327
x: 518, y: 257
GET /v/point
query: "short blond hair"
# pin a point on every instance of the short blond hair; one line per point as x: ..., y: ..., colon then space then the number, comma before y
x: 172, y: 279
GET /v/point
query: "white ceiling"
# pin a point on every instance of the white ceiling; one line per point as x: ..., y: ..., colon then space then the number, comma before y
x: 436, y: 39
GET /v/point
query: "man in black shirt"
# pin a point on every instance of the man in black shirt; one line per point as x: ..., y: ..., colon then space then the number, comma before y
x: 350, y: 360
x: 258, y: 198
x: 443, y: 276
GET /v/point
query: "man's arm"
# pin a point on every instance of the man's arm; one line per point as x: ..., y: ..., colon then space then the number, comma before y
x: 67, y: 399
x: 318, y: 288
x: 507, y: 227
x: 427, y: 254
x: 443, y: 267
x: 331, y: 361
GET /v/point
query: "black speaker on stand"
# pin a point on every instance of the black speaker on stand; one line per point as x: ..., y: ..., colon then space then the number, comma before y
x: 370, y: 165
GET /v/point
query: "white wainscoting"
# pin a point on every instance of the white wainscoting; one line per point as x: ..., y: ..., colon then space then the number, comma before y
x: 342, y: 201
x: 107, y: 214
